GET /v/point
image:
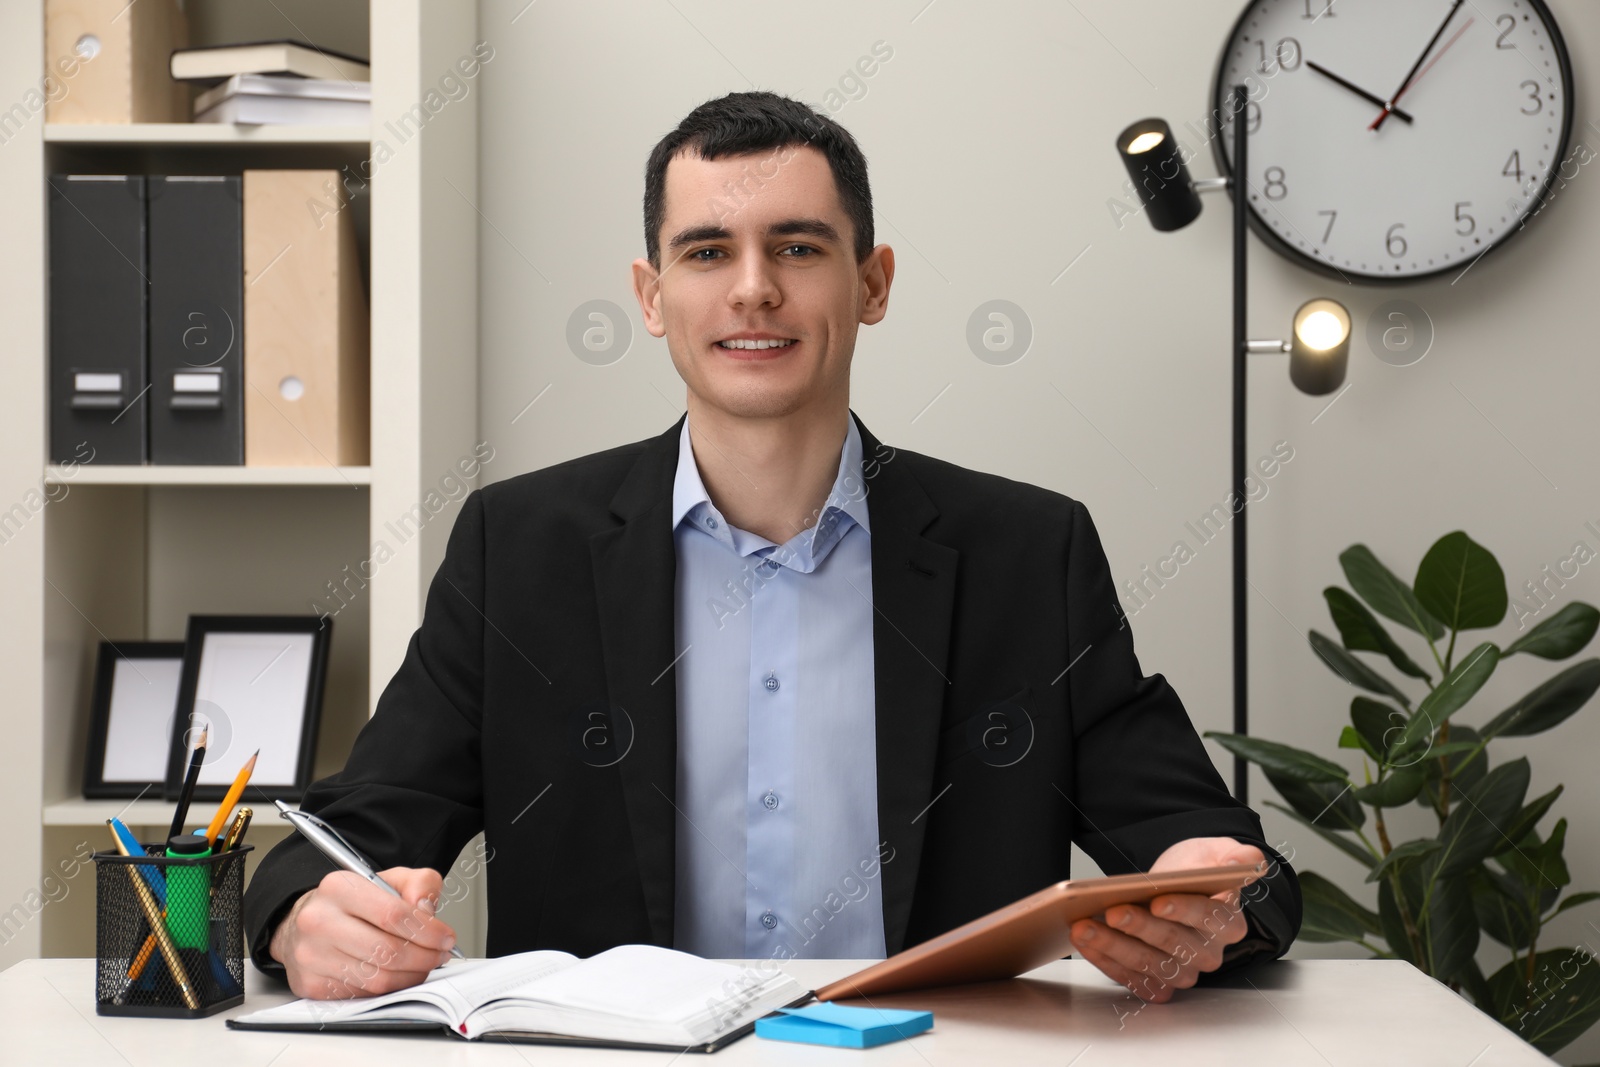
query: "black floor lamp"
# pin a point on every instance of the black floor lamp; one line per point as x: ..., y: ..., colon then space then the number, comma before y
x: 1319, y: 344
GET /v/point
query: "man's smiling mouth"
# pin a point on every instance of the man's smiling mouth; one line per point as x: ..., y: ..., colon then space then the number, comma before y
x: 738, y: 344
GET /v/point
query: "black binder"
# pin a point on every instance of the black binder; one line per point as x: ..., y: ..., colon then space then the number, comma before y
x: 196, y: 319
x: 97, y: 319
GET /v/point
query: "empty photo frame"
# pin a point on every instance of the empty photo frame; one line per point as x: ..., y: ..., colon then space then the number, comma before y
x: 256, y: 682
x: 130, y: 722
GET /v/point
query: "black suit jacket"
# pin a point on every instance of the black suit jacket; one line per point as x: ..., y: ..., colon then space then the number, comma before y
x: 1012, y: 716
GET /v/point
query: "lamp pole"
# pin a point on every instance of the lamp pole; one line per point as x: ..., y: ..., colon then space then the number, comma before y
x: 1241, y: 645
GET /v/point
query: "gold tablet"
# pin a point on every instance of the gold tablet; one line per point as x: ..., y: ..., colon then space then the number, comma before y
x: 1029, y: 933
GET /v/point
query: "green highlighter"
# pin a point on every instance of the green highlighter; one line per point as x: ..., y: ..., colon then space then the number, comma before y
x: 189, y: 893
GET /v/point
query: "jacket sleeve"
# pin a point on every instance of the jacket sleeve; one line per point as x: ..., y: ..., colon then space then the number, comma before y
x: 410, y: 794
x: 1142, y: 780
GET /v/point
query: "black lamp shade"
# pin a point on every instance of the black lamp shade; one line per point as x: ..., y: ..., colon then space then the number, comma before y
x: 1319, y: 346
x: 1155, y: 163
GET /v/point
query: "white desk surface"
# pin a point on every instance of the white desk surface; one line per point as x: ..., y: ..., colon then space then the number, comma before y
x: 1066, y: 1014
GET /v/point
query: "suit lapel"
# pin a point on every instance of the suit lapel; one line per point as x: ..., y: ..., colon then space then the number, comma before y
x: 913, y: 596
x: 635, y: 569
x: 913, y: 592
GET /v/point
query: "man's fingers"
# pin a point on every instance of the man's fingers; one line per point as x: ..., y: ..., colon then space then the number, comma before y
x: 1219, y: 920
x: 373, y: 949
x: 417, y: 885
x: 1175, y: 964
x: 1141, y: 985
x: 405, y: 919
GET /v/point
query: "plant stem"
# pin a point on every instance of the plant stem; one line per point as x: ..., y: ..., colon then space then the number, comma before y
x: 1450, y: 652
x: 1444, y: 774
x: 1383, y: 832
x: 1435, y: 652
x: 1410, y: 924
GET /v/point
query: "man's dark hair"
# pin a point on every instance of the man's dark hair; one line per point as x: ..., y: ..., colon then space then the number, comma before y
x: 742, y: 123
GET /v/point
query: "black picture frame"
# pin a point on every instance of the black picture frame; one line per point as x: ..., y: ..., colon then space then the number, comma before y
x: 128, y: 726
x: 225, y: 658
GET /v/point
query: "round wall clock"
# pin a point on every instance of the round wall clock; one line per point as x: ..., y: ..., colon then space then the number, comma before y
x: 1393, y: 141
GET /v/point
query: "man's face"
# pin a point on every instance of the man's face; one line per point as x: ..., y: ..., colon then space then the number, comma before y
x: 759, y: 245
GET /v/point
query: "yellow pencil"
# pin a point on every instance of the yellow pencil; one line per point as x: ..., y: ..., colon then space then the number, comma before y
x: 235, y: 791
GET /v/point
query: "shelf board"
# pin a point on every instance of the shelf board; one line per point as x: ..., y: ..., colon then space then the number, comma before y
x: 81, y: 812
x: 132, y: 474
x: 209, y: 133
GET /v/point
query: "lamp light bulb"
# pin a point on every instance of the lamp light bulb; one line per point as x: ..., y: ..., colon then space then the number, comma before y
x: 1321, y: 330
x: 1143, y: 143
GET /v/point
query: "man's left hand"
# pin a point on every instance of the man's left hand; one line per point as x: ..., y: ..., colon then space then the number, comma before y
x: 1164, y: 947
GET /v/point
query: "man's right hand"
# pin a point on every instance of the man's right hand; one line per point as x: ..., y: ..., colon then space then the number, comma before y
x: 348, y: 938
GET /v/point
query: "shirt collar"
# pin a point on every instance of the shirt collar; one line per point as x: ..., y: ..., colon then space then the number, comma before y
x: 846, y: 504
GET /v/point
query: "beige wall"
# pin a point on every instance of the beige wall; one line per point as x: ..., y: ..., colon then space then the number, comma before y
x: 989, y: 134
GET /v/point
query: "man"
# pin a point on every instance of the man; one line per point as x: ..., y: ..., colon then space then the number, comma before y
x: 763, y: 686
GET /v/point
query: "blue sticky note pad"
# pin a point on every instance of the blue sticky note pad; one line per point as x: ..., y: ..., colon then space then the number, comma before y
x: 842, y: 1027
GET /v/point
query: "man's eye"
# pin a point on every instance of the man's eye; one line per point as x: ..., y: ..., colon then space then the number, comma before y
x: 803, y: 248
x: 695, y: 255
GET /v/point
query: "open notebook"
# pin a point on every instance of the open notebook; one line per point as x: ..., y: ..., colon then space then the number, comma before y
x: 636, y: 996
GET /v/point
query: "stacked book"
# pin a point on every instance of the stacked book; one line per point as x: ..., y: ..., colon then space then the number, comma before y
x: 279, y: 99
x: 276, y: 82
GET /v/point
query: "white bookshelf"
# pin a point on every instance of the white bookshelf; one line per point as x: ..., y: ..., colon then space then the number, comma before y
x: 207, y: 133
x: 206, y: 475
x: 81, y: 812
x: 127, y: 553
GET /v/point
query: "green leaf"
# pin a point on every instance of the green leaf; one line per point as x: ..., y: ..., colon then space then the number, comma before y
x: 1402, y: 855
x: 1343, y: 844
x: 1376, y: 723
x: 1353, y: 670
x: 1453, y: 691
x: 1572, y: 900
x: 1528, y: 819
x: 1472, y: 830
x: 1539, y: 863
x: 1362, y: 632
x: 1549, y: 704
x: 1561, y: 635
x: 1501, y: 910
x: 1388, y: 595
x: 1399, y: 787
x: 1327, y: 804
x: 1450, y: 927
x: 1329, y: 914
x: 1561, y: 1002
x: 1348, y: 738
x: 1285, y: 760
x: 1460, y: 583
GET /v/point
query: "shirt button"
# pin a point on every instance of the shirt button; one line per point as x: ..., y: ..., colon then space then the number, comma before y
x: 772, y: 683
x: 769, y: 920
x: 711, y: 523
x: 771, y: 801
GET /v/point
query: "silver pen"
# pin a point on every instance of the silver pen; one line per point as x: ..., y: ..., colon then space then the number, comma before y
x: 337, y: 849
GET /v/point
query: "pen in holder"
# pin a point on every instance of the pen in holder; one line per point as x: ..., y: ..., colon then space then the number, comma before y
x: 169, y: 930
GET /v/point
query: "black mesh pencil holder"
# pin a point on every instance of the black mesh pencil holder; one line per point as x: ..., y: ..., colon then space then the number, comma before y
x: 191, y: 964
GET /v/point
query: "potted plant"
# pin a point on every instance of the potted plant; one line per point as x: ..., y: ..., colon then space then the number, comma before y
x: 1489, y: 870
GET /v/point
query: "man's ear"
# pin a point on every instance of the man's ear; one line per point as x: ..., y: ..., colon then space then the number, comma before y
x: 877, y: 272
x: 647, y: 288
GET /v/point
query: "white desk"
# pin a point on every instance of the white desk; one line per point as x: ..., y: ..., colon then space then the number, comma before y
x: 1292, y: 1012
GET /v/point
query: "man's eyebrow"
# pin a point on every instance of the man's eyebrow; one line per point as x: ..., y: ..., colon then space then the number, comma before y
x: 809, y: 227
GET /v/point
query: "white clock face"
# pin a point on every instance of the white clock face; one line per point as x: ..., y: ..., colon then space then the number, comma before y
x: 1488, y: 110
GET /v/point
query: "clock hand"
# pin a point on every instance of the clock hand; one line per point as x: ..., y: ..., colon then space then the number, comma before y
x: 1369, y: 97
x: 1387, y: 108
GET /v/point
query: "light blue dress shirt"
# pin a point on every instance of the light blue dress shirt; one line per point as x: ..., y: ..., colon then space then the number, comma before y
x: 777, y: 832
